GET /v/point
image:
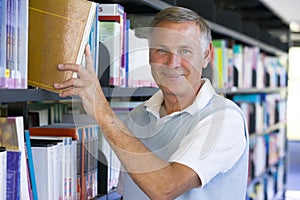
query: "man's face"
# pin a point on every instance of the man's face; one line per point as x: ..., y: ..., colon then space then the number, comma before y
x: 177, y: 57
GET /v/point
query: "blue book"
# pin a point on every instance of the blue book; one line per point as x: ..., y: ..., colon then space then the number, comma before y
x: 127, y: 50
x: 249, y: 98
x: 13, y: 175
x: 31, y: 166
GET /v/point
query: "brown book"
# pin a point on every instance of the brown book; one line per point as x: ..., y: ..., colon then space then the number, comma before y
x: 58, y: 33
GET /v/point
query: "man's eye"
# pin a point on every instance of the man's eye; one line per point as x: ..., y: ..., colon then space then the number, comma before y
x: 161, y: 50
x: 185, y: 52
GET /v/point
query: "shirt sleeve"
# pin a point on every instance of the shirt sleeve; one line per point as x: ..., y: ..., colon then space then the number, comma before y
x: 214, y: 145
x: 120, y: 186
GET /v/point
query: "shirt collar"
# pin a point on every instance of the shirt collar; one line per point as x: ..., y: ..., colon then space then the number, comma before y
x: 206, y: 92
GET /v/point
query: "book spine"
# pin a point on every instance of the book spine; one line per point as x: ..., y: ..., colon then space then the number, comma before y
x: 3, y: 172
x: 127, y: 51
x: 111, y: 9
x: 22, y: 50
x: 30, y: 165
x: 8, y: 45
x: 116, y: 50
x: 14, y: 55
x: 13, y: 175
x: 42, y: 159
x: 94, y: 40
x: 3, y: 44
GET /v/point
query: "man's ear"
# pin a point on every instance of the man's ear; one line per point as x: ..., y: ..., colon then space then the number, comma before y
x: 208, y: 55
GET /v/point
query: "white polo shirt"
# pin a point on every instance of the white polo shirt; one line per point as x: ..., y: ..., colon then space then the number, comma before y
x: 218, y: 157
x: 214, y: 145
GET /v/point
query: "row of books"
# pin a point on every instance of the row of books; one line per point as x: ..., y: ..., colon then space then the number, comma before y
x: 262, y: 111
x: 106, y: 157
x: 128, y: 65
x: 13, y: 43
x: 121, y: 58
x: 42, y: 49
x: 234, y: 65
x: 242, y: 66
x: 56, y: 161
x: 266, y: 151
x: 79, y: 145
x: 269, y: 184
x: 46, y: 114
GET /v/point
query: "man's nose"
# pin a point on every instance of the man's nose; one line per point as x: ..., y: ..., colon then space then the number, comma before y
x: 173, y: 60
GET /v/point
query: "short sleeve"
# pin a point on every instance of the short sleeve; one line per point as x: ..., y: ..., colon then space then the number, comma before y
x: 120, y: 186
x: 214, y: 145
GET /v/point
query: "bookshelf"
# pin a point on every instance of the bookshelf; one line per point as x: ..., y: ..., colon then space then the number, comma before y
x: 267, y: 180
x: 32, y: 95
x: 23, y: 95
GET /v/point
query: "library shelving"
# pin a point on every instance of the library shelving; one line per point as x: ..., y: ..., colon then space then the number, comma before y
x: 267, y: 180
x: 23, y: 95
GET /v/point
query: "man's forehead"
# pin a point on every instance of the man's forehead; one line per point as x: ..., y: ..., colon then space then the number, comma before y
x: 178, y: 41
x: 158, y: 32
x: 166, y: 35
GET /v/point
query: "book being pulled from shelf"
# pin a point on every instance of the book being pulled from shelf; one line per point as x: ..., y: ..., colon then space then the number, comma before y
x: 59, y: 30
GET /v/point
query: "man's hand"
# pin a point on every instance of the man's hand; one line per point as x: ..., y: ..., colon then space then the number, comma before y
x: 86, y: 86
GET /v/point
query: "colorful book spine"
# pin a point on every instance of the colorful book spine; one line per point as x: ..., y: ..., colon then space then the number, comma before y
x: 3, y: 38
x: 127, y: 50
x: 110, y: 36
x: 94, y: 40
x: 13, y: 176
x: 31, y: 166
x: 14, y: 44
x: 112, y: 19
x: 3, y: 172
x: 22, y: 51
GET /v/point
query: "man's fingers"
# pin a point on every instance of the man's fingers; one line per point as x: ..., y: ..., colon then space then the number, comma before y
x: 67, y: 84
x: 69, y: 67
x: 89, y: 59
x: 66, y: 93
